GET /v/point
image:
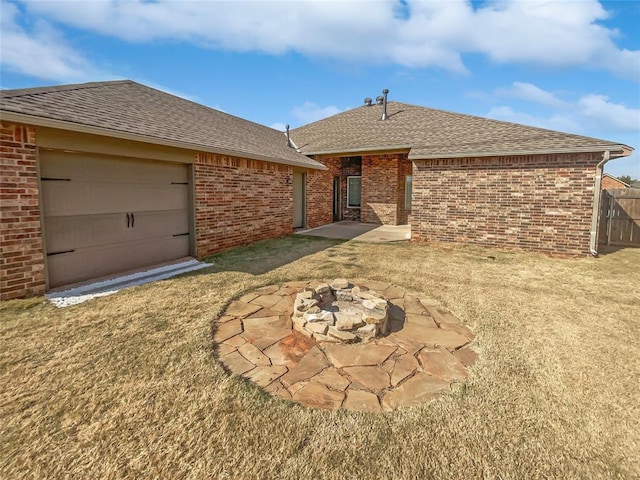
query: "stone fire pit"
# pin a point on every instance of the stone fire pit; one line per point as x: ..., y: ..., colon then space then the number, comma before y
x: 340, y: 312
x: 361, y: 345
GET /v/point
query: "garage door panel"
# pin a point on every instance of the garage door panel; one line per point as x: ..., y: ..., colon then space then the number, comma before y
x: 75, y: 198
x: 88, y: 263
x: 104, y: 215
x: 86, y: 167
x: 73, y: 232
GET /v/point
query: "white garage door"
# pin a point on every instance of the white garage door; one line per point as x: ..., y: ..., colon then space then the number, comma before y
x: 104, y: 215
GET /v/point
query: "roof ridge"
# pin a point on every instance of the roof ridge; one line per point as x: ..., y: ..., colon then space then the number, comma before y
x: 21, y: 92
x: 505, y: 122
x: 460, y: 114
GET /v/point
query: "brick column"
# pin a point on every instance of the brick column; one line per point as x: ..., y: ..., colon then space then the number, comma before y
x: 379, y: 202
x: 21, y: 251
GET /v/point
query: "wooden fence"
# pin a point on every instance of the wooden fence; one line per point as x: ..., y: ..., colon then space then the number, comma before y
x: 620, y: 217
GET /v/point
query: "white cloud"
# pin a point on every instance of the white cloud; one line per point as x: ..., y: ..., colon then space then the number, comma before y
x: 597, y: 109
x: 39, y: 51
x: 553, y: 122
x: 529, y: 92
x: 542, y: 32
x: 590, y: 112
x: 279, y: 126
x: 310, y: 112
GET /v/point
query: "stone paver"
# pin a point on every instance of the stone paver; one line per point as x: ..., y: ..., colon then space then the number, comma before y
x: 424, y: 320
x: 405, y: 365
x: 242, y: 309
x: 263, y: 376
x: 373, y: 378
x: 289, y: 351
x: 254, y: 354
x: 414, y: 333
x: 358, y: 355
x: 311, y: 364
x: 426, y: 350
x: 236, y: 363
x: 360, y: 400
x: 224, y: 349
x: 466, y: 356
x: 263, y: 312
x: 440, y: 363
x: 263, y: 336
x: 252, y: 322
x: 332, y: 378
x: 235, y: 341
x: 227, y: 330
x: 418, y: 389
x: 318, y: 395
x: 267, y: 300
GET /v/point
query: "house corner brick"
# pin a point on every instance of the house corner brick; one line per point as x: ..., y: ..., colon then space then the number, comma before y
x: 240, y: 201
x: 21, y: 249
x: 537, y: 202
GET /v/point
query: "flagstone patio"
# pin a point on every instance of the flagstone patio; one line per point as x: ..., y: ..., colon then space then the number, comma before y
x: 426, y: 350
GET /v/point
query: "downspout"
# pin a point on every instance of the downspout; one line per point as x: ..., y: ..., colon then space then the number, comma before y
x: 606, y: 156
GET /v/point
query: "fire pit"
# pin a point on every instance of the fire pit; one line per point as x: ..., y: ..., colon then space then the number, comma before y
x: 340, y: 312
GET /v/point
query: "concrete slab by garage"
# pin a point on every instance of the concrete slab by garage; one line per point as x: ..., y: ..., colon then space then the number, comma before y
x: 362, y: 232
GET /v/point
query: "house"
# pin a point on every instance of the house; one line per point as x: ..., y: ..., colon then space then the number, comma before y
x: 456, y: 178
x: 100, y: 178
x: 609, y: 182
x: 106, y: 177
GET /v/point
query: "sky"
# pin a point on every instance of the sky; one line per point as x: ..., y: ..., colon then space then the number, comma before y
x: 567, y: 65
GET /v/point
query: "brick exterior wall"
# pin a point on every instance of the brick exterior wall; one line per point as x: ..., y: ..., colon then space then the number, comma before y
x: 320, y: 190
x: 319, y: 198
x: 540, y: 202
x: 609, y: 183
x: 404, y: 169
x: 383, y: 183
x: 240, y: 201
x: 21, y: 250
x: 380, y: 188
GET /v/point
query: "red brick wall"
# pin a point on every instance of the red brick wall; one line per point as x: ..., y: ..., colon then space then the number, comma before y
x: 240, y: 201
x: 404, y: 169
x: 608, y: 182
x: 319, y: 197
x: 380, y: 188
x: 21, y: 253
x: 540, y: 202
x: 320, y: 191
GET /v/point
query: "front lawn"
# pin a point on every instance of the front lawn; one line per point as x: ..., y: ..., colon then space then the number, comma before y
x: 128, y: 386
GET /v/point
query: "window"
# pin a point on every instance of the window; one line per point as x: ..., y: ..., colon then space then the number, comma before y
x: 408, y: 190
x: 353, y: 192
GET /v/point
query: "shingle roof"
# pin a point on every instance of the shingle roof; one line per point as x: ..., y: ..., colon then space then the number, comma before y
x: 126, y: 107
x: 429, y: 133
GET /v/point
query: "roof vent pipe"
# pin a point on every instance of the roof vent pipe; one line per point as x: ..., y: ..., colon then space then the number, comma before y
x: 288, y: 137
x: 367, y: 102
x: 384, y: 104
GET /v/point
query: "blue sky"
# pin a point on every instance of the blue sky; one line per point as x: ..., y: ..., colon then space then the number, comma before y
x: 572, y: 66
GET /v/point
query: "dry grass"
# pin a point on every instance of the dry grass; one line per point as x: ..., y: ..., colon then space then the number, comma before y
x: 128, y: 386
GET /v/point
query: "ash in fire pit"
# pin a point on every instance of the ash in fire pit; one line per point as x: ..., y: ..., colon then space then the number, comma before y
x: 340, y: 312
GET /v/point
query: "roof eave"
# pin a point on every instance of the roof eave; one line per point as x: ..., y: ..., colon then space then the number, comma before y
x: 349, y: 151
x: 616, y: 152
x: 93, y: 130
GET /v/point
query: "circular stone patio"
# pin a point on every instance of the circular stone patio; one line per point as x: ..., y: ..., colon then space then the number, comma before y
x: 423, y: 353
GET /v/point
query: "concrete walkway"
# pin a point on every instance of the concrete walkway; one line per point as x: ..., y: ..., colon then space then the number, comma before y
x: 362, y: 232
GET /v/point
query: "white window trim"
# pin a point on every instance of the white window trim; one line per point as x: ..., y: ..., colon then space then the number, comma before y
x: 348, y: 183
x: 407, y: 199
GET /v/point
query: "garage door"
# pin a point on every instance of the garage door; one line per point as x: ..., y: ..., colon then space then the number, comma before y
x: 104, y: 215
